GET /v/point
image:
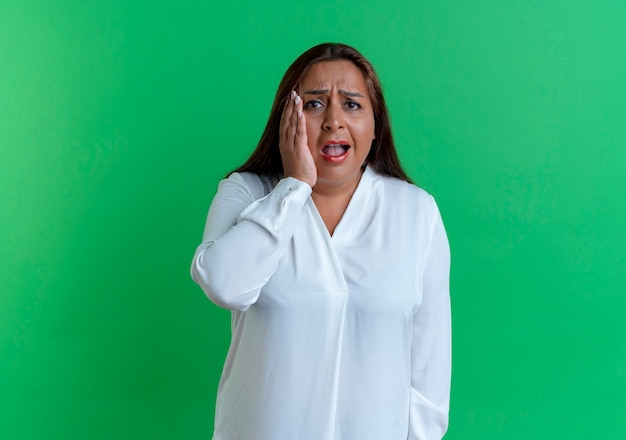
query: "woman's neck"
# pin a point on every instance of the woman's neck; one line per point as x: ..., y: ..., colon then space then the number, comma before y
x: 332, y: 201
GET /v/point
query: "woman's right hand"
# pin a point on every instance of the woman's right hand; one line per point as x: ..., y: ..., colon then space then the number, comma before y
x: 294, y: 149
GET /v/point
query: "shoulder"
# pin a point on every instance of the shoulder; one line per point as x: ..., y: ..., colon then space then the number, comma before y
x: 412, y: 210
x: 405, y: 193
x: 255, y: 185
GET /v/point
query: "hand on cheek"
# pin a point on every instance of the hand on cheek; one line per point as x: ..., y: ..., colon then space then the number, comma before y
x: 294, y: 150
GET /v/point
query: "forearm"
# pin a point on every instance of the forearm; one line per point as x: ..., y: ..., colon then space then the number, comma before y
x: 233, y: 266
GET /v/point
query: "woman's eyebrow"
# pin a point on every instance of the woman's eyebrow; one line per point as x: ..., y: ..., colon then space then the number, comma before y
x: 325, y: 92
x: 350, y: 94
x: 316, y: 92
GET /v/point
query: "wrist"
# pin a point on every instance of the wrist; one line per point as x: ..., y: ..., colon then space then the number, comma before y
x: 302, y: 178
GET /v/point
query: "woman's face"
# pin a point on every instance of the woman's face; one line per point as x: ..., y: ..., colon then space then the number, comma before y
x: 339, y: 121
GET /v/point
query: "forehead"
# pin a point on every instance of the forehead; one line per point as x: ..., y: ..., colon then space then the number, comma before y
x: 336, y: 73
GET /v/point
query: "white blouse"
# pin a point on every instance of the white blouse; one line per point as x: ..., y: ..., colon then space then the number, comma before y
x: 342, y: 337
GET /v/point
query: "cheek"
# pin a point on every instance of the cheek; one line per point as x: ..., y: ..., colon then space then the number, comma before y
x: 367, y: 131
x: 311, y: 133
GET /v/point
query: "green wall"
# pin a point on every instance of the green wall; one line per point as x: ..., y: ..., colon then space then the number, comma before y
x: 118, y: 118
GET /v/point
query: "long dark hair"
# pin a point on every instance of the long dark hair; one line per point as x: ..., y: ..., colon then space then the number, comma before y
x: 382, y: 157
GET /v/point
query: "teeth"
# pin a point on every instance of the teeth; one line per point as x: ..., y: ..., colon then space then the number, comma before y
x: 335, y: 149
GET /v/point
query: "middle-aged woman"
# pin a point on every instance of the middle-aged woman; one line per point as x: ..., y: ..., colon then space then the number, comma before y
x: 335, y: 267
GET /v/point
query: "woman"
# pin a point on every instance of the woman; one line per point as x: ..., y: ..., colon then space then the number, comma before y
x: 335, y: 267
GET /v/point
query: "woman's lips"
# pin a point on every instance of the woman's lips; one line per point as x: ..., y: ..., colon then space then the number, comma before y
x: 335, y: 152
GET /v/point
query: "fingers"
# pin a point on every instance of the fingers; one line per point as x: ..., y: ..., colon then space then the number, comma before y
x: 299, y: 125
x: 293, y: 144
x: 292, y: 122
x: 287, y: 114
x: 301, y: 122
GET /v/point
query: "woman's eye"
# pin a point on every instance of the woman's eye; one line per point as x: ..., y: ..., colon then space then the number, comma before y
x: 312, y: 104
x: 353, y: 105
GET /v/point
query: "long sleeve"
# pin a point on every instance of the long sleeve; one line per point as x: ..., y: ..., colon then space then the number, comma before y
x: 245, y: 237
x: 431, y: 343
x: 344, y: 336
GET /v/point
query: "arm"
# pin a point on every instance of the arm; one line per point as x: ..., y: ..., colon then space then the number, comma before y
x: 431, y: 345
x: 245, y: 238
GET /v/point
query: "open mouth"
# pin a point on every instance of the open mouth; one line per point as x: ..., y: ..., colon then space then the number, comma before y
x: 335, y: 151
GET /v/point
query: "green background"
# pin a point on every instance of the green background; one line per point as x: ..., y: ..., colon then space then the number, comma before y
x: 118, y: 118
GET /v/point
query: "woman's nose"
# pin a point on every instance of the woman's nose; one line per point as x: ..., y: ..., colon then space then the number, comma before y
x: 333, y: 118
